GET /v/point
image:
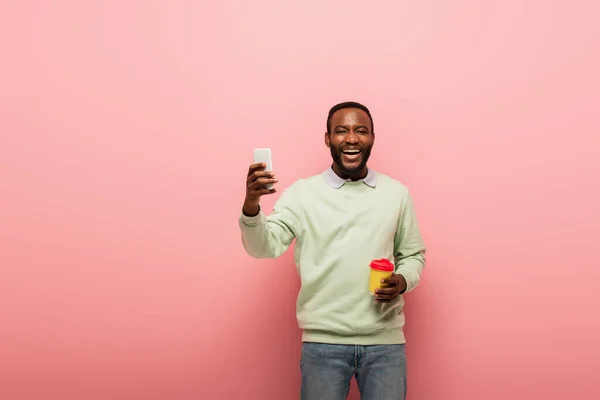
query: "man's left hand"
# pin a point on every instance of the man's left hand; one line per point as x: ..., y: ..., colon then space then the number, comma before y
x: 395, y: 285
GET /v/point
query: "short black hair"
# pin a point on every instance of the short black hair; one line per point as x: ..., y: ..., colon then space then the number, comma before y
x: 348, y: 104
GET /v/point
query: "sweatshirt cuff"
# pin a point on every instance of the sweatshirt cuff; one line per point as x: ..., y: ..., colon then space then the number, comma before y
x: 409, y: 282
x: 411, y: 278
x: 251, y: 221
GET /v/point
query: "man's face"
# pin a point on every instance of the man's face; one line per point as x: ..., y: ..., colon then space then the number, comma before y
x: 350, y: 141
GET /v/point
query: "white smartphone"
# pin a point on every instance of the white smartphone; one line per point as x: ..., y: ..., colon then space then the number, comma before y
x: 264, y: 155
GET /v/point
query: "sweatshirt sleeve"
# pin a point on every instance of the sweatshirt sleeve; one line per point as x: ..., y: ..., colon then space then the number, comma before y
x: 409, y: 248
x: 270, y: 236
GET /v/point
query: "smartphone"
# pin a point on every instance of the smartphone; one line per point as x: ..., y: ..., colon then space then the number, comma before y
x: 264, y: 155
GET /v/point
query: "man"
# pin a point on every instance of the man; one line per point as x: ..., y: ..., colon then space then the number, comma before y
x: 341, y: 220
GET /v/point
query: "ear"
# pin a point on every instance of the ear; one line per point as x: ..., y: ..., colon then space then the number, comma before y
x: 327, y: 140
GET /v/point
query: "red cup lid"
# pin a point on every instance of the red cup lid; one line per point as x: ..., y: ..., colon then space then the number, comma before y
x: 382, y: 265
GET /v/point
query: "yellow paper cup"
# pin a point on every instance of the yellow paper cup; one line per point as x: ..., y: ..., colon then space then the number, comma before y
x: 380, y: 269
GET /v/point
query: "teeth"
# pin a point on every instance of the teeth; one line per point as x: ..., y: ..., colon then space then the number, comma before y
x: 352, y: 151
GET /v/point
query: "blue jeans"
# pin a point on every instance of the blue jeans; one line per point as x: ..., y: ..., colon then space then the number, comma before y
x: 327, y: 371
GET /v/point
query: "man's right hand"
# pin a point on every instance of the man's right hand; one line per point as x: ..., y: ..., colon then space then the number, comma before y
x: 255, y: 187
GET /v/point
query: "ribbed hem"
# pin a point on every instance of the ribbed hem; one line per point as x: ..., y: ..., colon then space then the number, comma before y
x: 395, y: 336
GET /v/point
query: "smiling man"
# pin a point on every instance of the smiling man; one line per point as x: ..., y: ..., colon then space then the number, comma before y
x: 341, y: 220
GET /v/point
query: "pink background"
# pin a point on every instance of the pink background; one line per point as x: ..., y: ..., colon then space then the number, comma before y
x: 126, y: 129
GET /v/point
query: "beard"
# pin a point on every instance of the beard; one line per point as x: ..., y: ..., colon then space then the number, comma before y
x: 350, y: 169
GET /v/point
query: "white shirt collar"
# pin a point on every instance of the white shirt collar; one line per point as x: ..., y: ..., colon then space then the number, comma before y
x: 336, y: 182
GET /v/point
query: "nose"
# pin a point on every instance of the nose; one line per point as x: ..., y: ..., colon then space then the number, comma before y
x: 351, y: 137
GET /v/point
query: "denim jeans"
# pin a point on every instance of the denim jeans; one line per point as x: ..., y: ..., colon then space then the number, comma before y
x: 327, y: 370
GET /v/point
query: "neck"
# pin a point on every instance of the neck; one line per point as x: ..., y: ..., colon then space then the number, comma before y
x: 353, y: 176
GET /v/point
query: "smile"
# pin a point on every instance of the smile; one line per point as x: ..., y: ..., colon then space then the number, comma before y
x: 351, y: 152
x: 351, y: 155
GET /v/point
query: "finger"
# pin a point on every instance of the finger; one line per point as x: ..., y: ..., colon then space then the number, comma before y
x: 256, y: 166
x: 386, y: 292
x: 385, y: 298
x: 263, y: 192
x: 390, y: 281
x: 261, y: 183
x: 265, y: 181
x: 260, y: 174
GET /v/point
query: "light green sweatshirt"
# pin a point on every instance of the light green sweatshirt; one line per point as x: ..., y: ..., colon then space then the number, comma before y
x: 339, y: 227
